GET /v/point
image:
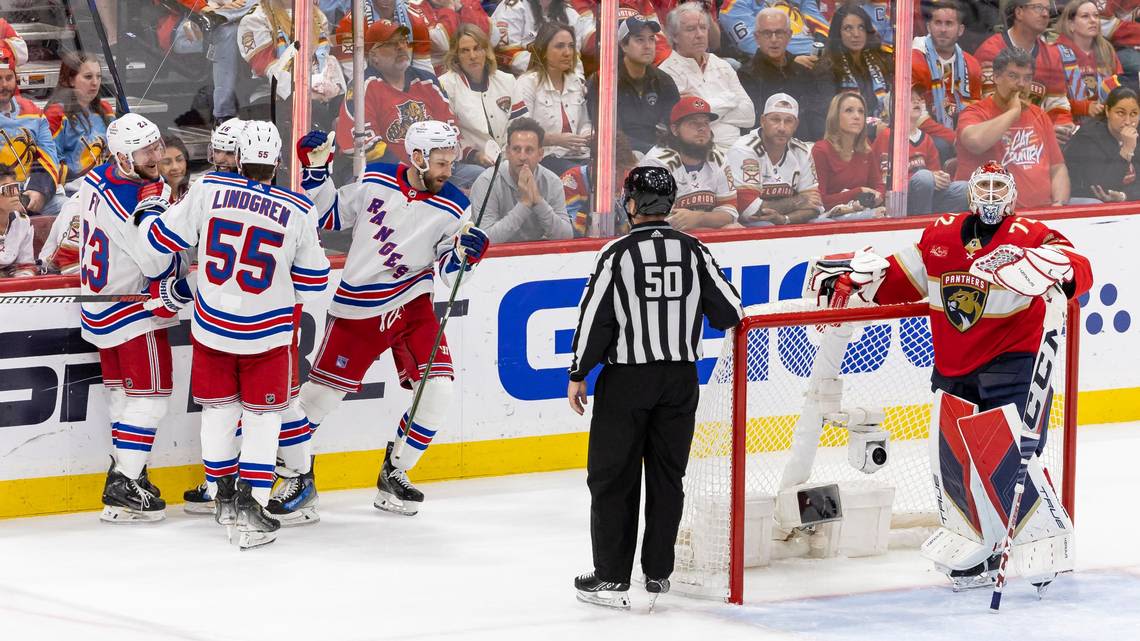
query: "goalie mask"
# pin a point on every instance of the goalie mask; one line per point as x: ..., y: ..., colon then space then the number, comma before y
x: 992, y: 192
x: 652, y: 189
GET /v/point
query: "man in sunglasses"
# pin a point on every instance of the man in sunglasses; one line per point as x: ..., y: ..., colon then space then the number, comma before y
x: 16, y: 257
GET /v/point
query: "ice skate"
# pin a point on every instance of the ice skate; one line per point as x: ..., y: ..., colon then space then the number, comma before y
x: 225, y: 506
x: 254, y: 525
x: 655, y: 588
x: 982, y: 575
x: 197, y: 501
x: 144, y: 481
x: 607, y: 594
x: 396, y: 493
x: 127, y: 500
x: 294, y: 500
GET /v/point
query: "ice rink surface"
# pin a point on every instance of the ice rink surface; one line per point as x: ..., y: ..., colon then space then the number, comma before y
x: 494, y: 559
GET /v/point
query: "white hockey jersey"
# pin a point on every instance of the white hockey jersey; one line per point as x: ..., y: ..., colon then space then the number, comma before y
x: 705, y: 188
x: 16, y: 259
x: 398, y: 235
x: 115, y: 260
x: 258, y: 256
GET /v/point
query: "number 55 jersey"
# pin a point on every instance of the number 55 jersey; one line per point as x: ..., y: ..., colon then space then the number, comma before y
x: 258, y: 256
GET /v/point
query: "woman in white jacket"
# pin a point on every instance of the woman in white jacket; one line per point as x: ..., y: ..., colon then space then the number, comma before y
x: 481, y: 99
x: 553, y: 93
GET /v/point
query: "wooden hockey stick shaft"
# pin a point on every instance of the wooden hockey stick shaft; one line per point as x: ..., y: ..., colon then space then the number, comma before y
x: 402, y: 441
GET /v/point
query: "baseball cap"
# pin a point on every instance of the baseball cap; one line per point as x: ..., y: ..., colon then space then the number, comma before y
x: 690, y: 106
x: 781, y: 103
x: 634, y: 24
x: 382, y: 31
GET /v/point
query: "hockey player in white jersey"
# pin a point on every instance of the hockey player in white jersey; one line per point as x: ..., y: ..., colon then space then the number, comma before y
x: 407, y: 220
x: 259, y: 255
x: 134, y: 350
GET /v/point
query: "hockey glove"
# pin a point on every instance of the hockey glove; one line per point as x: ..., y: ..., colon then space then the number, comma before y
x: 168, y: 296
x: 1029, y: 271
x: 473, y: 242
x: 315, y: 149
x: 836, y: 278
x: 153, y: 200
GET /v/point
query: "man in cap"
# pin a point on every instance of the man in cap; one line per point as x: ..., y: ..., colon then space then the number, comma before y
x: 645, y: 94
x: 777, y: 183
x: 26, y: 143
x: 706, y: 194
x: 396, y: 95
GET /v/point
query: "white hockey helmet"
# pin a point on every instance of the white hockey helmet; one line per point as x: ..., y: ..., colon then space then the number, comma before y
x: 992, y: 192
x: 225, y: 136
x: 128, y: 134
x: 259, y: 143
x: 428, y: 135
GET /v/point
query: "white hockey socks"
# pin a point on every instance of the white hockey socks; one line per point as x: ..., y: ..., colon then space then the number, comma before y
x: 317, y: 402
x: 259, y: 452
x: 132, y: 433
x: 430, y: 414
x: 220, y: 443
x: 294, y: 444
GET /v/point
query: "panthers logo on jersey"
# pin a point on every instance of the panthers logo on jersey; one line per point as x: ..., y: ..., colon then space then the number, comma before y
x: 409, y: 112
x: 963, y: 298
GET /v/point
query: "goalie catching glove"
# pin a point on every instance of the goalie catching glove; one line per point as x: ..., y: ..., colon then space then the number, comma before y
x: 835, y: 278
x: 1029, y: 271
x: 168, y: 296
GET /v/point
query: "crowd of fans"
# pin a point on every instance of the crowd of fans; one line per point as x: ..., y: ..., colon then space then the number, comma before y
x: 767, y: 112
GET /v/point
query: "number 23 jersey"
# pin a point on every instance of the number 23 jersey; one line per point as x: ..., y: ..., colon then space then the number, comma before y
x: 398, y: 235
x: 972, y: 321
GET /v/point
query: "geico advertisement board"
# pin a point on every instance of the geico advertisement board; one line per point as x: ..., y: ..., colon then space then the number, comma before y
x: 511, y: 342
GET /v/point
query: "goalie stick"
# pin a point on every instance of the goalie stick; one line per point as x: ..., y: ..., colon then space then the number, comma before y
x: 402, y: 442
x: 1037, y: 404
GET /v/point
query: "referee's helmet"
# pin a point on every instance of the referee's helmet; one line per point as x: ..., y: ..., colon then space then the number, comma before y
x: 652, y: 189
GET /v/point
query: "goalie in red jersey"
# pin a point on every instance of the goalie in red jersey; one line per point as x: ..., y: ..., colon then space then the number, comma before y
x: 986, y: 327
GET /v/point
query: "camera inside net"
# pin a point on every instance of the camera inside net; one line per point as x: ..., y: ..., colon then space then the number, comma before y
x: 867, y: 449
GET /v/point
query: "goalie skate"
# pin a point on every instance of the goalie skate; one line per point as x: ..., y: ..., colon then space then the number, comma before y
x: 127, y: 500
x: 294, y: 500
x: 607, y: 594
x: 396, y: 493
x: 255, y: 526
x: 982, y: 575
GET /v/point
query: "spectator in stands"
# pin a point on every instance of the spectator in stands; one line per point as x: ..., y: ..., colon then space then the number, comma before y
x: 857, y: 59
x: 931, y: 189
x: 396, y: 94
x: 576, y: 185
x: 26, y: 143
x: 16, y: 258
x: 516, y: 26
x: 555, y: 96
x: 480, y: 97
x: 850, y: 178
x: 14, y: 41
x: 806, y: 25
x: 1078, y: 28
x: 1100, y: 155
x: 1118, y: 24
x: 775, y: 69
x: 776, y: 183
x: 224, y: 55
x: 526, y: 201
x: 643, y: 9
x: 700, y: 73
x: 432, y: 24
x: 950, y: 78
x: 1017, y: 133
x: 264, y: 35
x: 1026, y: 22
x: 645, y: 94
x: 173, y: 167
x: 706, y: 193
x: 78, y: 118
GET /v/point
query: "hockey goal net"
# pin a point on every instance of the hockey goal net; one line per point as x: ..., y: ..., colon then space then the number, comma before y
x: 750, y: 437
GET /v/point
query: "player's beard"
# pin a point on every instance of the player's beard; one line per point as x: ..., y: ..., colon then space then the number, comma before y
x: 693, y: 150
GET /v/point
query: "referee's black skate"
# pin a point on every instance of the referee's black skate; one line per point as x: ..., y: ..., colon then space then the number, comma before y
x: 655, y: 588
x: 294, y: 500
x: 127, y: 500
x: 255, y: 526
x: 607, y: 594
x: 197, y: 501
x: 225, y: 500
x: 396, y: 493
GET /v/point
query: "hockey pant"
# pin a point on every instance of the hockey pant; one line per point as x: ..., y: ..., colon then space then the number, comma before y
x: 251, y: 457
x: 641, y: 413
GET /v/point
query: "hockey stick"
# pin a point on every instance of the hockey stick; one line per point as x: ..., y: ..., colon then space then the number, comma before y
x: 403, y: 440
x: 33, y: 299
x: 1036, y: 412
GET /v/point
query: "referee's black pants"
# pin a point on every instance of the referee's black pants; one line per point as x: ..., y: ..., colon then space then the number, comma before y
x: 641, y: 412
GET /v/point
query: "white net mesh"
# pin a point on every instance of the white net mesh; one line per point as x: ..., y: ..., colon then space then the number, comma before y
x: 887, y: 365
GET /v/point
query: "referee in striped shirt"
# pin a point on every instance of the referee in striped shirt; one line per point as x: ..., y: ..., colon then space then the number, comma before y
x: 641, y: 317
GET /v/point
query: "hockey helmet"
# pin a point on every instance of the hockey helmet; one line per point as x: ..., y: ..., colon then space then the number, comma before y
x: 225, y: 137
x: 130, y: 133
x: 652, y: 189
x: 427, y: 136
x: 992, y: 192
x: 258, y: 143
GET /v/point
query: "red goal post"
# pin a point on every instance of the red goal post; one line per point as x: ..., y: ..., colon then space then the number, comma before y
x: 862, y: 315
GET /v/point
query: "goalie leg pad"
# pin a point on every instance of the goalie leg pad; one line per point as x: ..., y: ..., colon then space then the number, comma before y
x: 430, y: 415
x: 133, y: 434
